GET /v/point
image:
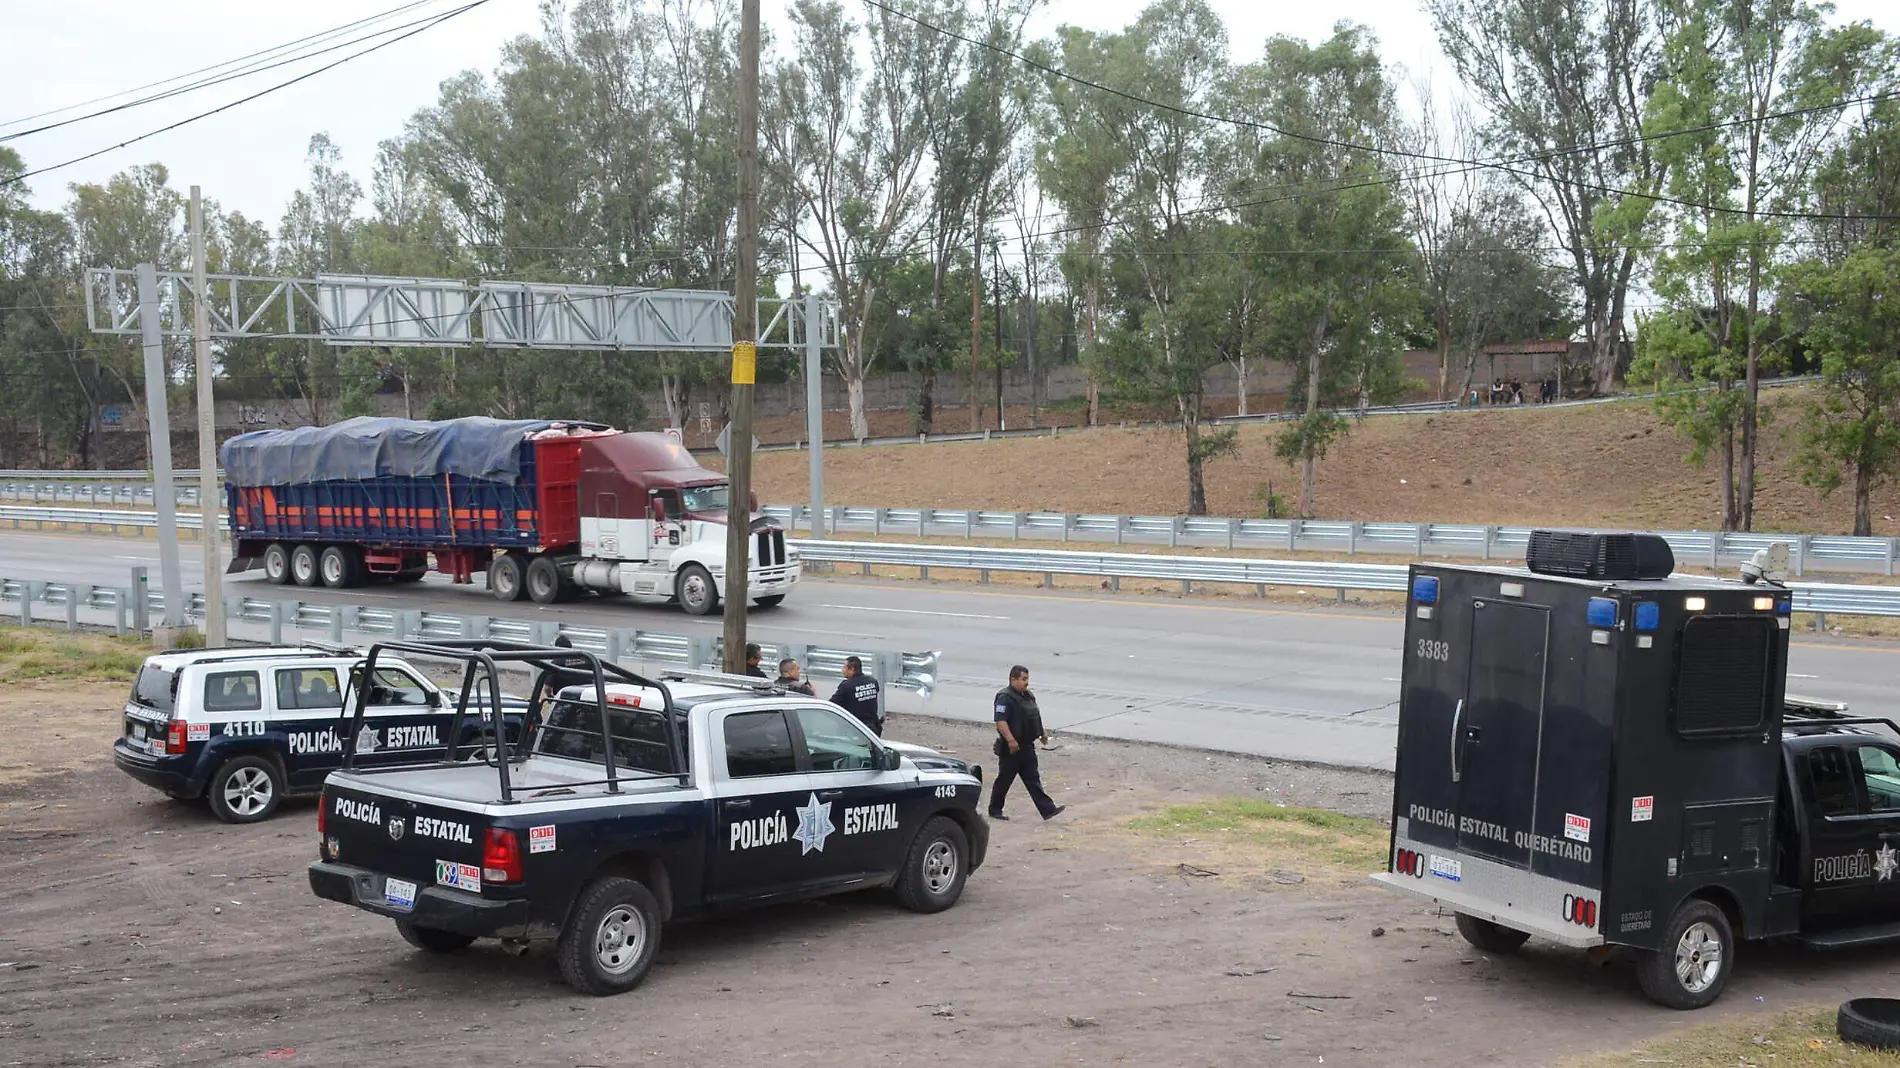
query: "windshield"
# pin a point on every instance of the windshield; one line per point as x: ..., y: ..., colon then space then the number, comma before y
x: 154, y: 688
x: 706, y: 498
x: 572, y: 730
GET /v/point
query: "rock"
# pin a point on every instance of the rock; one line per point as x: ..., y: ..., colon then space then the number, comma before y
x: 1378, y: 932
x: 1080, y: 1021
x: 1288, y: 878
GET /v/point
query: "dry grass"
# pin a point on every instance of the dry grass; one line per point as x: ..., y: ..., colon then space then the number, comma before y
x: 1802, y: 1038
x: 1248, y: 839
x: 41, y: 654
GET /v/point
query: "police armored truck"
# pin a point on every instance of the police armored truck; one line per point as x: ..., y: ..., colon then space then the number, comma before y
x: 243, y: 728
x: 630, y: 802
x: 1597, y: 753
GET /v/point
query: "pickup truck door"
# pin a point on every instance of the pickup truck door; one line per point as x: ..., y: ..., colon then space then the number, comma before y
x: 1853, y: 790
x: 758, y: 788
x: 405, y: 721
x: 872, y: 809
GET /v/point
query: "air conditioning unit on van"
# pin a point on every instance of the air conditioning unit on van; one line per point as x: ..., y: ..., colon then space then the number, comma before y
x: 1583, y: 554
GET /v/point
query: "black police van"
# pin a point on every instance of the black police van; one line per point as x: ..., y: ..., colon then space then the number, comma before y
x: 1598, y: 753
x: 630, y: 802
x: 245, y: 728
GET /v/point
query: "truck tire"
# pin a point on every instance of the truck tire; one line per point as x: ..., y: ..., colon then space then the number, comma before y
x: 611, y: 937
x: 505, y: 578
x: 1490, y: 937
x: 1870, y: 1022
x: 276, y: 564
x: 544, y: 580
x: 433, y: 939
x: 934, y: 871
x: 245, y: 789
x: 341, y: 567
x: 772, y: 601
x: 697, y: 592
x: 1693, y: 965
x: 303, y: 565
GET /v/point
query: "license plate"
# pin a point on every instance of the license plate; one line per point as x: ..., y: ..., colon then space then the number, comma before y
x: 138, y: 731
x: 399, y: 893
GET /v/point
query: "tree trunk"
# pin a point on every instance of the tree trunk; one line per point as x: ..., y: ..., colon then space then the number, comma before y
x: 854, y: 390
x: 1240, y: 384
x: 408, y: 398
x: 675, y: 399
x: 1603, y: 357
x: 1309, y: 466
x: 1091, y: 309
x: 926, y: 400
x: 976, y: 326
x: 1197, y: 483
x: 1029, y: 353
x: 1730, y: 515
x: 1863, y: 498
x: 1752, y: 395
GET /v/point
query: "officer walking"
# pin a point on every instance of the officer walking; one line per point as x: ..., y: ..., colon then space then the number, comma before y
x: 1018, y: 727
x: 857, y: 694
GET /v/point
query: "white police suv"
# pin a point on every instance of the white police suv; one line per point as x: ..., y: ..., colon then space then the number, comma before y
x: 243, y: 728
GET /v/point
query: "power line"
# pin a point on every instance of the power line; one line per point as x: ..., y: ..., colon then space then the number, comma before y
x: 430, y: 24
x: 243, y: 72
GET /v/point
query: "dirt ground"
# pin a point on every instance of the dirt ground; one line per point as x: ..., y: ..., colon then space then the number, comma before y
x: 1598, y: 465
x: 138, y: 931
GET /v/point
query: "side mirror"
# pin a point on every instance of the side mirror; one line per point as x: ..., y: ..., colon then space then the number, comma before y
x: 435, y: 699
x: 889, y: 759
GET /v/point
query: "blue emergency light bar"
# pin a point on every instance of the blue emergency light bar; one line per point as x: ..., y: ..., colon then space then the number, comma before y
x: 1602, y: 612
x: 1648, y: 615
x: 1425, y: 589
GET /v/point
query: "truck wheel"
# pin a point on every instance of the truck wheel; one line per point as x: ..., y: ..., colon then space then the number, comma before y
x: 340, y: 567
x: 544, y: 581
x: 245, y: 789
x: 433, y: 939
x: 505, y: 578
x: 303, y: 565
x: 1488, y: 936
x: 696, y: 591
x: 934, y: 872
x: 276, y: 564
x: 770, y: 602
x: 1698, y: 950
x: 611, y: 938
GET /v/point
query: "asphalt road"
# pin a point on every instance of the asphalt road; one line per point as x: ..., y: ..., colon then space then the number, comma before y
x: 1271, y: 680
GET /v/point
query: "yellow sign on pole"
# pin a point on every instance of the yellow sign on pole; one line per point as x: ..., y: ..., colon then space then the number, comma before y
x: 745, y: 360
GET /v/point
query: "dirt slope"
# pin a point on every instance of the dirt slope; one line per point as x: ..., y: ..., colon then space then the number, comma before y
x: 1601, y: 465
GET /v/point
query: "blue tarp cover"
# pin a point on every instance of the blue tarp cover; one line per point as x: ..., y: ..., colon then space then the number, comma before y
x: 369, y: 448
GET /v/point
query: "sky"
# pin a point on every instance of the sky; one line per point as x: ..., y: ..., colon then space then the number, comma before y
x: 251, y: 157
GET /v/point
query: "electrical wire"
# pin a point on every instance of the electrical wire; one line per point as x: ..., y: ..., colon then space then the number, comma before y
x: 429, y: 24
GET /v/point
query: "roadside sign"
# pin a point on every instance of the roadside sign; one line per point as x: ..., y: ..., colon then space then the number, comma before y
x: 725, y: 441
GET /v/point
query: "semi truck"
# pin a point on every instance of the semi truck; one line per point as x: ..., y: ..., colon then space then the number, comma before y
x: 545, y: 510
x: 1595, y: 751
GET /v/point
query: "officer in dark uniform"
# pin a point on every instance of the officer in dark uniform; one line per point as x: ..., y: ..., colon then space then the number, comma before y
x: 1018, y: 727
x: 857, y: 694
x: 752, y: 657
x: 790, y: 679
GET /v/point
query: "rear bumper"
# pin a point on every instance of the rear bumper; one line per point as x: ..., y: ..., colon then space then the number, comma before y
x: 437, y: 907
x: 1504, y: 895
x: 153, y: 772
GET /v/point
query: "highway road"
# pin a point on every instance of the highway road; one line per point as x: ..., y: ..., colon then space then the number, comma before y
x: 1311, y: 684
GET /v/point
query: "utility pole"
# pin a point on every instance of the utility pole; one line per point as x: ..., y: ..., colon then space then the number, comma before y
x: 745, y: 329
x: 210, y: 504
x: 158, y: 419
x: 815, y: 409
x: 976, y: 323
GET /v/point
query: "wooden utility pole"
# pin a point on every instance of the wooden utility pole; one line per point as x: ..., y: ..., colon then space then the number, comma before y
x: 210, y: 504
x: 745, y: 329
x: 976, y: 324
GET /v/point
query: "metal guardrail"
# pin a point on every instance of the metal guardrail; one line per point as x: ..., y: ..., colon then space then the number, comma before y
x: 128, y: 494
x: 916, y: 672
x: 1713, y: 549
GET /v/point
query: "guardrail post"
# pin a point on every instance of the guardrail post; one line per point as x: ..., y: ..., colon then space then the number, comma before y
x: 73, y: 596
x: 1067, y: 521
x: 701, y: 649
x: 1352, y: 537
x: 478, y: 626
x: 1801, y: 553
x: 118, y: 612
x: 923, y: 517
x: 29, y: 592
x: 1715, y: 550
x: 1260, y: 590
x: 1490, y: 538
x: 1293, y: 534
x: 406, y: 624
x: 1418, y: 535
x: 983, y: 575
x: 141, y: 619
x: 336, y: 623
x: 616, y: 643
x: 277, y: 622
x: 1174, y: 531
x: 1341, y: 595
x: 923, y: 572
x: 1820, y: 622
x: 1233, y: 528
x: 1048, y: 579
x: 969, y: 520
x: 1187, y: 587
x: 877, y: 521
x: 1891, y: 542
x: 891, y: 667
x: 1121, y: 529
x: 1015, y: 526
x: 1115, y: 583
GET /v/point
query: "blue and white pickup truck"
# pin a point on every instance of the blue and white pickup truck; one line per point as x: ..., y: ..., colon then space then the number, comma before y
x: 715, y: 794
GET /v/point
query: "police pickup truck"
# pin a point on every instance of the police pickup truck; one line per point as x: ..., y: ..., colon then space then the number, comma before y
x: 630, y: 802
x: 1597, y: 753
x: 244, y: 728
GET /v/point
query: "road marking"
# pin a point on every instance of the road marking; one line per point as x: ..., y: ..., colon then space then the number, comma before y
x: 909, y: 611
x: 1792, y: 675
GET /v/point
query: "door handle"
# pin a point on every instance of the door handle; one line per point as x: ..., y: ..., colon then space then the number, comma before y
x: 739, y: 802
x: 1457, y: 768
x: 830, y: 795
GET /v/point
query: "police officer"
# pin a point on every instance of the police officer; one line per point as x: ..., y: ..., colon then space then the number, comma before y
x: 752, y: 657
x: 788, y: 677
x: 857, y: 694
x: 1018, y: 727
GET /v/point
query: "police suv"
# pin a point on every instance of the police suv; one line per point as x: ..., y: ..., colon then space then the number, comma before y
x: 244, y: 728
x: 631, y: 802
x: 1599, y: 753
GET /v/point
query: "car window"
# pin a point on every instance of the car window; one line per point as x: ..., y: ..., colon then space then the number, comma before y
x: 397, y: 688
x: 1881, y: 774
x: 154, y: 688
x: 233, y: 691
x: 759, y: 743
x: 572, y: 729
x: 1833, y: 783
x: 833, y: 743
x: 308, y: 688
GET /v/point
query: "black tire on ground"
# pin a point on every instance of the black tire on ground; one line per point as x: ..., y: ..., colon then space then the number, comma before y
x: 433, y: 939
x: 544, y: 580
x: 1870, y: 1022
x: 1490, y: 937
x: 245, y: 789
x: 697, y: 592
x: 413, y: 574
x: 277, y: 563
x: 505, y: 578
x: 611, y: 937
x: 772, y: 601
x: 303, y: 565
x: 1694, y: 962
x: 934, y: 871
x: 341, y: 567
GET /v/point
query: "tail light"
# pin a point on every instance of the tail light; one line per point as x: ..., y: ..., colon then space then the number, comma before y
x: 323, y: 806
x: 501, y: 856
x: 175, y: 736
